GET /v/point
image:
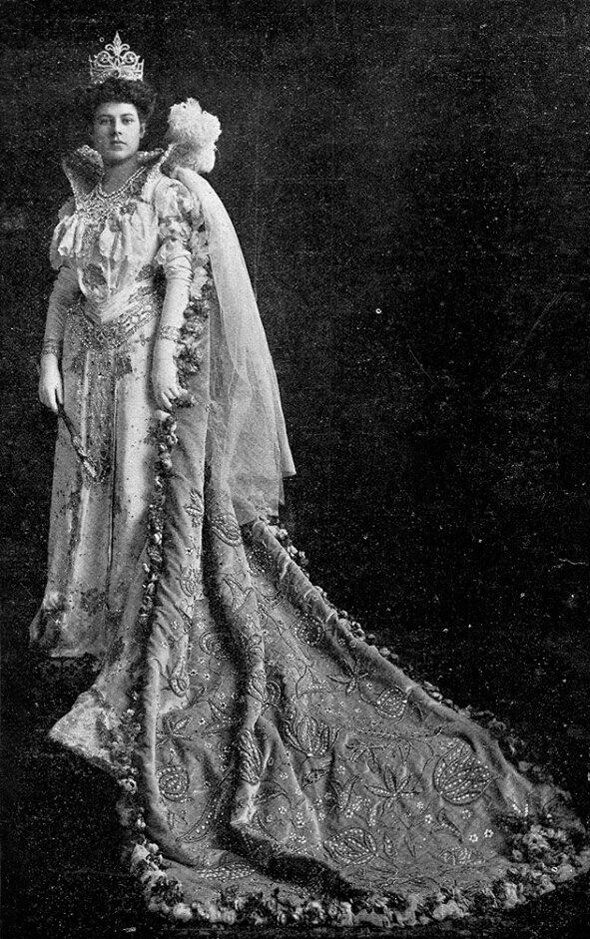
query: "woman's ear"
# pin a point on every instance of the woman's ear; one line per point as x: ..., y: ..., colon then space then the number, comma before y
x: 142, y: 129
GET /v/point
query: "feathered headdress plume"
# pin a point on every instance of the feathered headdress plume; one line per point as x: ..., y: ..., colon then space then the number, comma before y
x: 193, y: 133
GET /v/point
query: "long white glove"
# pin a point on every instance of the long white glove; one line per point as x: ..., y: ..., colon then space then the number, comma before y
x: 65, y: 291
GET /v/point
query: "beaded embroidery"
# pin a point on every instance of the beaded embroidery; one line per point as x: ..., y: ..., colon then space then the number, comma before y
x: 51, y: 347
x: 143, y: 307
x: 100, y: 208
x: 121, y: 189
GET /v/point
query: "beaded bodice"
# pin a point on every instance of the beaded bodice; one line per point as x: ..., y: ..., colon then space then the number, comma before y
x: 111, y: 238
x: 100, y: 208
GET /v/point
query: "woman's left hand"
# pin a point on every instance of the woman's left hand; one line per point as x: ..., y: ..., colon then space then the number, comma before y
x: 165, y: 377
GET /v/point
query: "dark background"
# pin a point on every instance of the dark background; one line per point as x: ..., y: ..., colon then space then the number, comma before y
x: 409, y: 180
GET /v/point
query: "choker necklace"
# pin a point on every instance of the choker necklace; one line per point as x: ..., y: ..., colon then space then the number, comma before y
x: 117, y: 192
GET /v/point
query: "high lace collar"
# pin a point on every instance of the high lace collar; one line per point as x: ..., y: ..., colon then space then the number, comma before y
x: 84, y: 168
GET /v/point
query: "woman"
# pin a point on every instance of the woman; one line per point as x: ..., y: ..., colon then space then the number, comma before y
x: 98, y: 510
x: 273, y: 765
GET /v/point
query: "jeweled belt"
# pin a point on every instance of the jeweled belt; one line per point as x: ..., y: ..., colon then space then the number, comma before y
x: 142, y: 306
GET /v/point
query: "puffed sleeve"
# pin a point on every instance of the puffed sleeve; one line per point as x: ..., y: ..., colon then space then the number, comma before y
x: 175, y: 209
x: 64, y: 292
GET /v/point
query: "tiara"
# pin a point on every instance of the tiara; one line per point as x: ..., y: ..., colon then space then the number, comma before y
x: 116, y: 61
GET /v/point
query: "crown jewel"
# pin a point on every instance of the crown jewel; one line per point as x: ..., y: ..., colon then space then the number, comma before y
x: 116, y: 61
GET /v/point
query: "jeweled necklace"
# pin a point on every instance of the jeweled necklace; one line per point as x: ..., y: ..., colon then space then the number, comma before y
x: 121, y: 189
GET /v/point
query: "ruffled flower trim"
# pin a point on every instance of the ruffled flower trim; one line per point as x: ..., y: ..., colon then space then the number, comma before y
x: 199, y: 246
x: 164, y: 896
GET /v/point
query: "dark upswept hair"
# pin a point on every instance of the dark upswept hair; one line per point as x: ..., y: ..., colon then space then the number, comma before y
x: 138, y: 93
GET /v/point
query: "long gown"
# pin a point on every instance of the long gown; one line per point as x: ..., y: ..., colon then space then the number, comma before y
x: 273, y: 765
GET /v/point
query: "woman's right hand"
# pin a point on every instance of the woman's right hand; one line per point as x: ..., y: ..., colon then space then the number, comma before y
x: 50, y: 383
x: 165, y: 376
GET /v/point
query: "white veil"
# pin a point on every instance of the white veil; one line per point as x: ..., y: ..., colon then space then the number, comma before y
x: 247, y: 448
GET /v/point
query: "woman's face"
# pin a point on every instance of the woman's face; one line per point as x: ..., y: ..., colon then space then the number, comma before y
x: 117, y: 131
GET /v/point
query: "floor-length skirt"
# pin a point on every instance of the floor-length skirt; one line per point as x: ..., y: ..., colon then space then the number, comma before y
x: 103, y: 475
x: 273, y: 765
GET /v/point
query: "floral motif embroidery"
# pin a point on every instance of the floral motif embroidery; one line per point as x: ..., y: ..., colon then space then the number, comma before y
x: 352, y: 846
x: 174, y: 782
x: 226, y: 528
x: 459, y: 776
x: 309, y: 735
x: 194, y: 508
x: 189, y: 581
